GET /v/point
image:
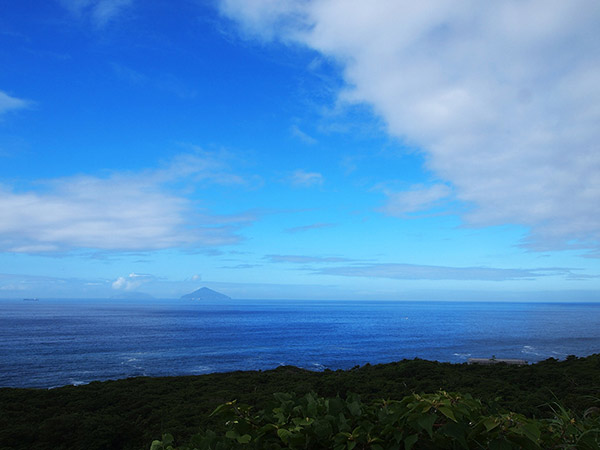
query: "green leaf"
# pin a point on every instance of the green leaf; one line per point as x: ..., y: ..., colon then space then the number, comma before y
x: 532, y: 431
x: 244, y: 439
x: 490, y: 423
x: 398, y: 436
x: 219, y: 409
x: 322, y: 429
x: 284, y: 435
x: 426, y: 423
x: 157, y: 445
x: 410, y: 441
x: 447, y: 412
x: 232, y: 434
x: 354, y: 408
x: 302, y: 421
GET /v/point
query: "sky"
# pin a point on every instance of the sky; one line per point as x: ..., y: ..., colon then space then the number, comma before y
x: 300, y: 149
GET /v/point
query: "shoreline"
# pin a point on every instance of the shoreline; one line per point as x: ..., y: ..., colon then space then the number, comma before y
x: 500, y: 363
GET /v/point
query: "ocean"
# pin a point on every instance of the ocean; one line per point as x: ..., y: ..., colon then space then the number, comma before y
x: 50, y: 343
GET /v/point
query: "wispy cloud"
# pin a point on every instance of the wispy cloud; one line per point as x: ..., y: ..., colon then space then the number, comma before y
x: 418, y: 198
x: 100, y: 12
x: 242, y: 266
x: 424, y: 272
x: 123, y: 211
x: 501, y: 97
x: 18, y: 285
x: 200, y: 167
x: 301, y: 178
x: 304, y: 137
x: 302, y: 259
x: 313, y: 226
x: 9, y: 103
x: 163, y: 82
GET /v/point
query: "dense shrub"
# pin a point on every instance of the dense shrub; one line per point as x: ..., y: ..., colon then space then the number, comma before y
x: 432, y: 421
x: 128, y: 414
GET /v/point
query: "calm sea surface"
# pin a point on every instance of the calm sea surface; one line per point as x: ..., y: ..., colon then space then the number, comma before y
x: 52, y: 343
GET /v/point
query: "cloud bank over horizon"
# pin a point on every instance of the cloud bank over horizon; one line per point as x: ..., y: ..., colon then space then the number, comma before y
x: 124, y: 211
x: 401, y: 271
x: 502, y: 98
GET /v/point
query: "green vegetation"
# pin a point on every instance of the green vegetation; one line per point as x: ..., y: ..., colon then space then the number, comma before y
x: 429, y: 421
x: 130, y: 414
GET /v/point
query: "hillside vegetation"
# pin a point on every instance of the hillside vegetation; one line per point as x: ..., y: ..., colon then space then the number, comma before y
x: 131, y: 413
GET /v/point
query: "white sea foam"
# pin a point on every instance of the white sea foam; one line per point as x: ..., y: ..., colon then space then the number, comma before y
x: 198, y: 370
x: 530, y: 350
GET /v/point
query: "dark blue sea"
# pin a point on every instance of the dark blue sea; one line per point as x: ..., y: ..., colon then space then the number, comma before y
x: 51, y: 343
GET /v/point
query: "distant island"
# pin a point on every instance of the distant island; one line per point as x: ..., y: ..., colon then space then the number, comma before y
x: 205, y: 294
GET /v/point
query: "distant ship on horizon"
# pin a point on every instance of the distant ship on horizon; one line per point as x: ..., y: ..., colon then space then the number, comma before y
x: 31, y: 299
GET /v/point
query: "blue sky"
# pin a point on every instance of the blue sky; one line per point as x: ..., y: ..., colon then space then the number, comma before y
x: 300, y: 149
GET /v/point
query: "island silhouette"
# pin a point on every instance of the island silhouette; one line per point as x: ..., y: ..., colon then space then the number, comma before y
x: 205, y: 293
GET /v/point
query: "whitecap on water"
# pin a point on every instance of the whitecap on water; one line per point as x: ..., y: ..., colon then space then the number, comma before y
x: 530, y: 350
x: 202, y: 369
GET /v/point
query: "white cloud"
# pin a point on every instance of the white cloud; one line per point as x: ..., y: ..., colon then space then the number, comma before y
x: 8, y: 103
x: 132, y: 281
x: 122, y: 212
x: 101, y: 12
x: 266, y: 19
x: 503, y: 97
x: 300, y: 178
x: 418, y: 198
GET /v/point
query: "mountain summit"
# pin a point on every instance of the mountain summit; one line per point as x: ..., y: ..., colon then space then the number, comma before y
x: 205, y: 294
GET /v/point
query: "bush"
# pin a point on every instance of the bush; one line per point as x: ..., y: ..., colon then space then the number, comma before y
x: 428, y: 421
